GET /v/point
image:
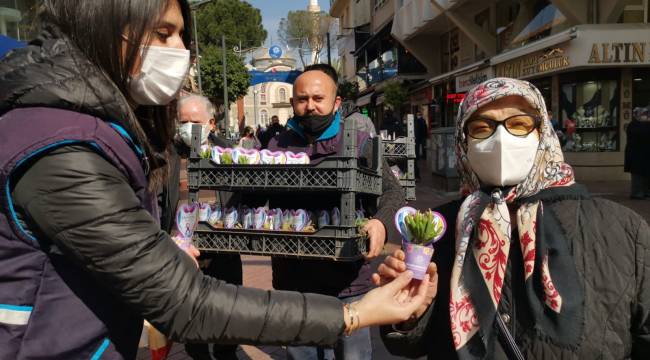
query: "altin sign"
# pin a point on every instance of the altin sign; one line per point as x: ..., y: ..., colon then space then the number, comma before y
x: 536, y: 63
x: 618, y: 52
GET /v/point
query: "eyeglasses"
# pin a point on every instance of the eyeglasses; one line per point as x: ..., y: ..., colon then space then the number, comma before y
x: 518, y: 125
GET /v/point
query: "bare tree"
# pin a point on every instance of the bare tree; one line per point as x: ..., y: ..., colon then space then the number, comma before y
x: 307, y: 32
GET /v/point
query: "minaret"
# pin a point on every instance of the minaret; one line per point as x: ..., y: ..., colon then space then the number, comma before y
x: 313, y: 6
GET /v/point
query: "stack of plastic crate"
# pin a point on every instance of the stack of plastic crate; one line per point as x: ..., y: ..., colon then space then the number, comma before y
x: 341, y: 176
x: 401, y: 152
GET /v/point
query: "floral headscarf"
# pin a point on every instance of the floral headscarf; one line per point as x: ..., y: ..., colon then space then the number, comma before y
x: 483, y: 237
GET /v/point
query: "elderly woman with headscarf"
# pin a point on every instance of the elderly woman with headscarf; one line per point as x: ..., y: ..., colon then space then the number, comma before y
x: 536, y: 268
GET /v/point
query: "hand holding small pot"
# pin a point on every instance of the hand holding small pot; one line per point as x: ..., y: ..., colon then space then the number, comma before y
x: 394, y: 265
x: 391, y: 303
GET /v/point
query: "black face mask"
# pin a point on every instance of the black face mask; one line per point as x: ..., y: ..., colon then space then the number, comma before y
x: 315, y: 125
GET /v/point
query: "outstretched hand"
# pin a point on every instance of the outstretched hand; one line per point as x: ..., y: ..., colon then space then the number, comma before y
x: 394, y: 266
x: 393, y: 302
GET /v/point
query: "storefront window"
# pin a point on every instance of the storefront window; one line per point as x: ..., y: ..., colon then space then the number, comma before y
x: 589, y: 114
x: 641, y: 93
x: 544, y: 86
x: 520, y: 22
x: 446, y: 103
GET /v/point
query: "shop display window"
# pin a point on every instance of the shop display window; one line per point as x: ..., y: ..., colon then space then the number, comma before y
x: 589, y: 116
x: 641, y: 93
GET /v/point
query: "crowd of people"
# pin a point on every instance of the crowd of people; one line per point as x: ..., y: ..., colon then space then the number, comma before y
x: 532, y: 266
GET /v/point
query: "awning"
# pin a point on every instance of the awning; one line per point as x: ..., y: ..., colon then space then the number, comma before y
x: 380, y: 99
x: 541, y: 44
x: 464, y: 69
x: 365, y: 99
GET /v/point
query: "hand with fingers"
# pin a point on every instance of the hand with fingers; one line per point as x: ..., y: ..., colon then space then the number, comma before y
x: 377, y: 237
x: 394, y: 266
x: 393, y: 302
x: 194, y: 253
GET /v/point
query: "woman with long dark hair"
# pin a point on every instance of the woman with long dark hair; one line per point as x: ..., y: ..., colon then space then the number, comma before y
x: 85, y: 129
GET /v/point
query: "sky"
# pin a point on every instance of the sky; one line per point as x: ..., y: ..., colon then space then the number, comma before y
x: 274, y: 10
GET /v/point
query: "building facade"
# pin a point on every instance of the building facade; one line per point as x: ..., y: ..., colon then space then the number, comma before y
x: 266, y: 99
x: 589, y: 58
x: 370, y: 56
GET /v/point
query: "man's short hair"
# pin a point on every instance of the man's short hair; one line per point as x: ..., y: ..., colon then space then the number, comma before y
x: 327, y: 69
x: 209, y: 107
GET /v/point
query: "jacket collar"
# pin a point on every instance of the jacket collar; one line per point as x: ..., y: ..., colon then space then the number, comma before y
x: 329, y: 133
x: 52, y: 72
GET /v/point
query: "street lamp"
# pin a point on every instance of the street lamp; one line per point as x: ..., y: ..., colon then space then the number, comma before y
x: 194, y: 5
x: 255, y: 107
x: 239, y: 50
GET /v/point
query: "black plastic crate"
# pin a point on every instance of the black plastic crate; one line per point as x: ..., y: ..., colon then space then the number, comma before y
x: 402, y: 147
x: 332, y: 174
x: 331, y: 243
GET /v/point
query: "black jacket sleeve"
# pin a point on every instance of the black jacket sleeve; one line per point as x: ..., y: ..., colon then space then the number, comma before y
x: 392, y: 197
x: 80, y: 202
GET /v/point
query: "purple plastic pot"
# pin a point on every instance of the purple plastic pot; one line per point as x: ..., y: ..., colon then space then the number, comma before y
x: 418, y: 258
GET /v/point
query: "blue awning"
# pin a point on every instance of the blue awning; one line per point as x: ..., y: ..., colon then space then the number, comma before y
x: 259, y: 77
x: 7, y: 44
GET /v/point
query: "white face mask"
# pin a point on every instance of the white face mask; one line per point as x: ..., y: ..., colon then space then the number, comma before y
x: 502, y: 159
x: 161, y: 76
x: 185, y: 133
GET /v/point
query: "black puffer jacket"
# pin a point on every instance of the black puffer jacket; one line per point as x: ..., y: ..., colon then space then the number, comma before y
x: 85, y: 207
x: 611, y: 248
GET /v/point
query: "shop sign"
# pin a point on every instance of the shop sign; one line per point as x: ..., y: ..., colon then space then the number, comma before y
x: 618, y: 52
x: 535, y: 63
x: 455, y: 98
x: 422, y: 97
x: 468, y: 81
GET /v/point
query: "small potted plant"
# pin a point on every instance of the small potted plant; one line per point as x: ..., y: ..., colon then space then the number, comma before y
x: 419, y: 230
x: 187, y: 217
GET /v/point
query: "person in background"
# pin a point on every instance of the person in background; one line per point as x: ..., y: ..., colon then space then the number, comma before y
x: 637, y: 154
x: 259, y: 131
x: 198, y: 110
x: 531, y: 266
x: 421, y: 132
x: 554, y: 122
x: 85, y: 129
x: 317, y: 129
x: 392, y: 124
x: 248, y: 139
x: 272, y: 131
